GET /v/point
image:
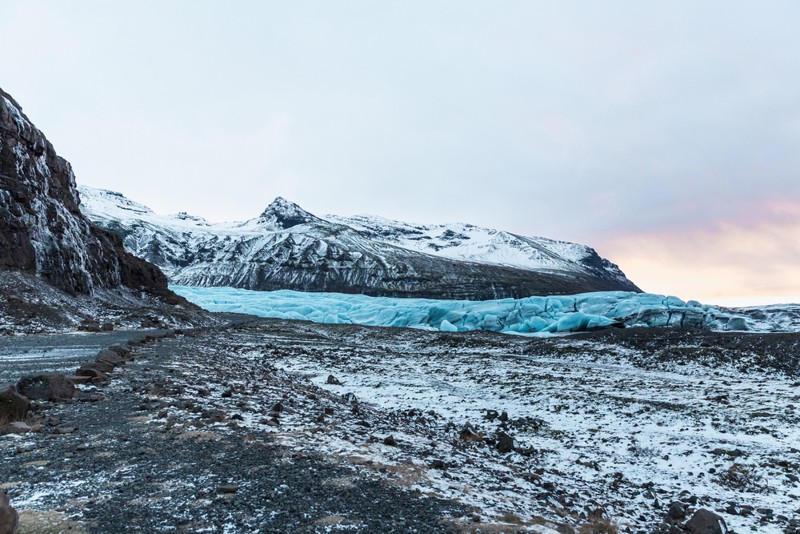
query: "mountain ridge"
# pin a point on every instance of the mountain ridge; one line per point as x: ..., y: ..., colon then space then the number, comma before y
x: 286, y: 247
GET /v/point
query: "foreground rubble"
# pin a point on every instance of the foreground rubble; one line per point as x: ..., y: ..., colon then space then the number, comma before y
x: 305, y: 427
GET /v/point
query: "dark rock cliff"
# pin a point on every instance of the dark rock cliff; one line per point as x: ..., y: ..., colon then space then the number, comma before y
x: 42, y: 230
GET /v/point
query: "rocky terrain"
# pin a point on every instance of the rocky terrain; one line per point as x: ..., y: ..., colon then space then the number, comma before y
x: 57, y: 269
x: 291, y: 426
x: 42, y: 230
x: 287, y: 247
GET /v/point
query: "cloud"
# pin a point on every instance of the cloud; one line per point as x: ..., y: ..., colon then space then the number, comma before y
x: 572, y: 120
x: 753, y: 257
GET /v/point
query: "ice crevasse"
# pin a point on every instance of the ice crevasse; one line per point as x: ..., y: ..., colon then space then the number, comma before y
x: 551, y: 314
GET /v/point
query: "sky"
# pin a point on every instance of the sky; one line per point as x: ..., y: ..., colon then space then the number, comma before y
x: 665, y: 135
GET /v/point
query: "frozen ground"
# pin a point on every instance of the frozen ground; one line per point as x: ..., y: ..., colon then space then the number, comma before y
x: 597, y: 431
x: 29, y: 305
x: 56, y: 353
x: 610, y: 426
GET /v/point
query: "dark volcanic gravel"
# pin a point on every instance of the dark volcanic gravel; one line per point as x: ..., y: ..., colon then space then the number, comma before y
x: 121, y: 472
x: 57, y: 353
x: 240, y: 429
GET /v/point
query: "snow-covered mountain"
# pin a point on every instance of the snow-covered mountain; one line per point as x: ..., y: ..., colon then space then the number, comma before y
x: 287, y: 247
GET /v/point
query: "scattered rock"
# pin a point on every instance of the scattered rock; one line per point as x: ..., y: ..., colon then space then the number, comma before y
x: 110, y: 357
x: 54, y: 387
x: 9, y: 519
x: 101, y: 367
x: 469, y: 434
x: 505, y: 443
x: 706, y: 522
x: 17, y: 427
x: 676, y: 511
x: 66, y: 430
x: 13, y: 406
x: 332, y: 380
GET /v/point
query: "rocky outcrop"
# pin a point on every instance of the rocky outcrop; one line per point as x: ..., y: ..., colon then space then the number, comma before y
x: 42, y: 230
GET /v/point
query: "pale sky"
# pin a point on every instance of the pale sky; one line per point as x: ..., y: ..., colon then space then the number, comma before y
x: 666, y: 135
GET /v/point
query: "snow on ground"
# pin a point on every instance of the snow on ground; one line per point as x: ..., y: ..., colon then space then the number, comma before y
x: 529, y: 315
x: 597, y: 432
x: 605, y: 426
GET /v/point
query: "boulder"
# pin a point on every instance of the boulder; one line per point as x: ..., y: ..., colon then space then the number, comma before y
x: 706, y: 522
x: 17, y: 427
x: 123, y: 351
x: 9, y: 519
x: 676, y: 512
x: 505, y: 443
x: 111, y: 357
x: 13, y: 406
x: 54, y: 387
x: 103, y: 367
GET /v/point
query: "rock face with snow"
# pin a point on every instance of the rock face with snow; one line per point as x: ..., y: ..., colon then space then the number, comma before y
x: 42, y: 230
x: 287, y: 247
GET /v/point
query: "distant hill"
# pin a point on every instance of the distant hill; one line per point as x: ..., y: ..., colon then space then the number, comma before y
x: 287, y: 247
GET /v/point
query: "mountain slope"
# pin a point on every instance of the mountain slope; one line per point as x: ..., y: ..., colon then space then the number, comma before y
x: 42, y: 230
x: 57, y: 269
x: 288, y: 248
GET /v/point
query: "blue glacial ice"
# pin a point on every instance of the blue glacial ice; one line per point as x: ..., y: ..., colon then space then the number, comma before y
x: 530, y: 315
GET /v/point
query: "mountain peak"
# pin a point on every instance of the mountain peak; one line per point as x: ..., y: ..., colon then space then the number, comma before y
x: 285, y: 214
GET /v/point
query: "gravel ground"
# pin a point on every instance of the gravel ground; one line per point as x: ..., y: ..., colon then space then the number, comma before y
x: 57, y: 353
x: 123, y: 464
x: 287, y: 426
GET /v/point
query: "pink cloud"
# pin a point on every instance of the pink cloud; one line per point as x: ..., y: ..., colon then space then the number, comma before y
x: 754, y: 257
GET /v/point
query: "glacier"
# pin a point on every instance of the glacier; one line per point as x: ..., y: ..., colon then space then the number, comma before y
x: 531, y: 315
